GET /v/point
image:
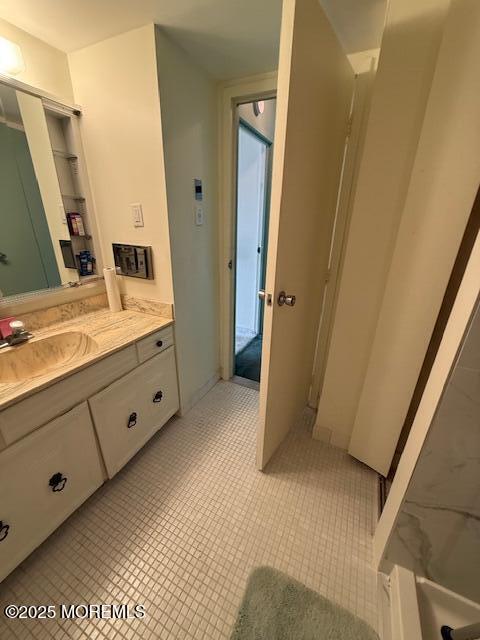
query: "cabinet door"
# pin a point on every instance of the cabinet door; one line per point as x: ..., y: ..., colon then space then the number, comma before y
x: 128, y: 412
x: 43, y: 479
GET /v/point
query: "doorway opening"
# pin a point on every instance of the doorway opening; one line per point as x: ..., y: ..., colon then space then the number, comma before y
x: 255, y: 133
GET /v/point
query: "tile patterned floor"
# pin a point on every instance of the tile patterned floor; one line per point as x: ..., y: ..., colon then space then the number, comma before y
x: 182, y: 525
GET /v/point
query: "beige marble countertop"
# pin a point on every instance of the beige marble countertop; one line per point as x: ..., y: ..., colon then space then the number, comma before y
x: 110, y: 331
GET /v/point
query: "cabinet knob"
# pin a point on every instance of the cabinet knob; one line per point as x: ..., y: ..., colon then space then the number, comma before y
x: 4, y: 529
x: 132, y: 420
x: 57, y: 482
x: 158, y: 396
x: 159, y: 343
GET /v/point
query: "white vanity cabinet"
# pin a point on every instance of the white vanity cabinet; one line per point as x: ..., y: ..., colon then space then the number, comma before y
x: 128, y: 412
x: 43, y: 479
x: 55, y: 457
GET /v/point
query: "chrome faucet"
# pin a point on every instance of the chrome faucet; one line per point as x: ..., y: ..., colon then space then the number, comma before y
x: 18, y: 336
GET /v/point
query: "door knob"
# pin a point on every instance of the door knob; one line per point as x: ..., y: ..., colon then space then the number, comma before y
x: 283, y: 298
x: 3, y: 258
x: 266, y: 297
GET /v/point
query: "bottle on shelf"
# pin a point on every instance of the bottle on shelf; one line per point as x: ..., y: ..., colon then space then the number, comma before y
x: 75, y: 224
x: 86, y: 261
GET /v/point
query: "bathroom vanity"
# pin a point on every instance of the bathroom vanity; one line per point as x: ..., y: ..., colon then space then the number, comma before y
x: 77, y: 401
x: 91, y: 387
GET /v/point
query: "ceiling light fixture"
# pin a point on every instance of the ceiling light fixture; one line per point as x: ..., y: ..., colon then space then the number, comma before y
x: 11, y: 59
x: 258, y: 107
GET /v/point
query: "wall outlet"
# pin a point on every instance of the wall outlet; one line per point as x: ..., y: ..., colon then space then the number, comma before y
x: 199, y: 215
x: 137, y: 214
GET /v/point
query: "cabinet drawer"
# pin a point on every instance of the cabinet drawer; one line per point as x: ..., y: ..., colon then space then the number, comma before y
x: 154, y: 344
x: 128, y: 412
x: 43, y: 479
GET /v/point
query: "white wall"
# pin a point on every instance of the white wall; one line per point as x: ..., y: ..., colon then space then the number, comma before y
x: 189, y: 119
x: 442, y: 190
x: 405, y: 70
x: 252, y: 156
x: 115, y: 81
x: 46, y: 68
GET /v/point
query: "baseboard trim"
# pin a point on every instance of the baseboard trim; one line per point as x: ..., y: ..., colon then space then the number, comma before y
x: 245, y: 382
x: 322, y: 433
x: 198, y: 395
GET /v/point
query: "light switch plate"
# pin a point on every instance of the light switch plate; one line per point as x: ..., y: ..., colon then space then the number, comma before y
x: 63, y: 215
x: 137, y: 214
x: 199, y: 215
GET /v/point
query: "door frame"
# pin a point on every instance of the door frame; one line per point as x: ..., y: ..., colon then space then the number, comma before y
x: 359, y: 110
x: 258, y: 87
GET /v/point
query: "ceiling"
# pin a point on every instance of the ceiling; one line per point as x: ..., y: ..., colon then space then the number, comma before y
x: 229, y: 38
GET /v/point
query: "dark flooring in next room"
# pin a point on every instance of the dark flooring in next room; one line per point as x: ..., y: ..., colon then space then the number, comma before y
x: 248, y: 361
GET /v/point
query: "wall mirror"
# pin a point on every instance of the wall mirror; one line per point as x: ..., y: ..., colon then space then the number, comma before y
x: 45, y: 232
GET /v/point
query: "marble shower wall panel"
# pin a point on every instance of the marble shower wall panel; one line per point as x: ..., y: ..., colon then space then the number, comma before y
x: 438, y: 529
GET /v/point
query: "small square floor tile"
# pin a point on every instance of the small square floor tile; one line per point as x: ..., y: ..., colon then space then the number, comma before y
x: 179, y: 529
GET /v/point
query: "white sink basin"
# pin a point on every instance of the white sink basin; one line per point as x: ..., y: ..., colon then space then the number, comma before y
x: 39, y: 356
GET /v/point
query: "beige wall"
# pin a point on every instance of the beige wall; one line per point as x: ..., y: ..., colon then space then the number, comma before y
x: 46, y: 68
x: 264, y: 123
x: 442, y: 190
x: 405, y: 70
x: 189, y: 119
x: 115, y: 81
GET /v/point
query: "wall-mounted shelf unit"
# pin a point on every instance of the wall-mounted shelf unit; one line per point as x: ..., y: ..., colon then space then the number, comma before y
x: 77, y: 202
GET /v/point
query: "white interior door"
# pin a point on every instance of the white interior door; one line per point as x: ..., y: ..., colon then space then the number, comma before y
x: 252, y: 158
x: 315, y: 84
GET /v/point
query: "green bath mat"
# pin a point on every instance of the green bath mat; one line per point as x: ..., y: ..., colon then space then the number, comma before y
x: 275, y: 607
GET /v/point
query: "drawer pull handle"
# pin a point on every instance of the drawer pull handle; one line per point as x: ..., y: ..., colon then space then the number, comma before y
x: 57, y: 482
x: 132, y: 420
x: 158, y: 396
x: 159, y: 343
x: 4, y: 529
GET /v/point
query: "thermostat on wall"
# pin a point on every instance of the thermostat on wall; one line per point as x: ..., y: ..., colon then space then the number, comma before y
x: 198, y: 189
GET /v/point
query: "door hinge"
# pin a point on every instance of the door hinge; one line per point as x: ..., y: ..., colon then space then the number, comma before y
x: 349, y: 126
x: 327, y: 276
